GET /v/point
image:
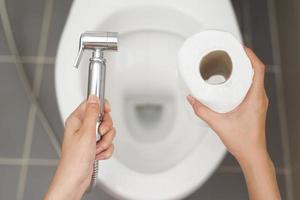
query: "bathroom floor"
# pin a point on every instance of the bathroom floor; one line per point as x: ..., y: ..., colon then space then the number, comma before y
x: 29, y: 128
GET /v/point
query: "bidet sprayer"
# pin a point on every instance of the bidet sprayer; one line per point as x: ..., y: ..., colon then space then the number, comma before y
x: 97, y: 42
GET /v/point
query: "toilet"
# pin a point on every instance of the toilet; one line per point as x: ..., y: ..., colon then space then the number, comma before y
x: 162, y: 151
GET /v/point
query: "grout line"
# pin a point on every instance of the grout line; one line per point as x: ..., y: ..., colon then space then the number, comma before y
x: 272, y: 69
x: 38, y: 75
x: 28, y: 59
x: 26, y: 152
x: 20, y: 70
x: 281, y: 101
x: 13, y: 48
x: 43, y: 162
x: 52, y: 137
x: 31, y: 162
x: 24, y: 79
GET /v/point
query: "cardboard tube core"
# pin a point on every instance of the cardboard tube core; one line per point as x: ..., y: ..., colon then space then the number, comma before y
x: 216, y: 67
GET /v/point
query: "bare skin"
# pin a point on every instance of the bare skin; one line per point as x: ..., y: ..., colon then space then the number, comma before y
x: 79, y: 150
x: 241, y: 130
x: 243, y: 133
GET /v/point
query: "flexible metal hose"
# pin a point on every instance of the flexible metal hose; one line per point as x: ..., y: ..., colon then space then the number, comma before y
x: 94, y: 175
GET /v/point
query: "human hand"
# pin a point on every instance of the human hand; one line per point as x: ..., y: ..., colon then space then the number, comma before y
x: 79, y: 150
x: 243, y: 133
x: 242, y: 130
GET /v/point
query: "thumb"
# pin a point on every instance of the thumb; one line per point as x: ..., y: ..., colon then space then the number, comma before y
x: 91, y: 114
x: 202, y: 111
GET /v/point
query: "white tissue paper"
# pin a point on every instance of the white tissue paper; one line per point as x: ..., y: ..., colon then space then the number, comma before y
x: 215, y: 69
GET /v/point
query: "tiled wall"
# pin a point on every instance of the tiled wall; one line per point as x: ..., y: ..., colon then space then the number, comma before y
x: 29, y: 120
x: 288, y: 33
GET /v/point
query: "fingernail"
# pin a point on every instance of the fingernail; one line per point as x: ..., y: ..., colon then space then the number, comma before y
x: 93, y: 99
x: 107, y: 103
x: 191, y: 99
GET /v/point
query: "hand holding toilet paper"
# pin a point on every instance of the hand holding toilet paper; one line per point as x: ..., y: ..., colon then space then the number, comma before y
x: 215, y: 69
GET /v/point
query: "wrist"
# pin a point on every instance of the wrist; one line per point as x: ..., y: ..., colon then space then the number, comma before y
x: 63, y: 187
x: 256, y: 160
x: 260, y: 175
x: 60, y: 193
x: 253, y: 152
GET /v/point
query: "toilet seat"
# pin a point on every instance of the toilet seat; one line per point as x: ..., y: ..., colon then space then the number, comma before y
x: 165, y: 19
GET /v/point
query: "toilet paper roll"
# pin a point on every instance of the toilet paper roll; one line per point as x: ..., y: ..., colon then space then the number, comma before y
x: 215, y: 69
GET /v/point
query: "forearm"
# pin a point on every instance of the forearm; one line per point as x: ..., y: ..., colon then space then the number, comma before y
x: 260, y: 177
x: 60, y: 194
x: 64, y: 187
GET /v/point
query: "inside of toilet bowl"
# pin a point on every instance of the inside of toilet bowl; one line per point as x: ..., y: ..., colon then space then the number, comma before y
x: 142, y: 87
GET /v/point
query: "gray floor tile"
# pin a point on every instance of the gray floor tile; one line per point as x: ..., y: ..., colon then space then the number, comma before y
x: 3, y: 44
x: 254, y: 22
x: 29, y: 70
x: 238, y: 9
x: 282, y: 186
x: 26, y: 20
x: 223, y: 186
x: 242, y: 12
x: 39, y: 178
x: 14, y: 112
x: 97, y: 194
x: 41, y: 146
x: 220, y: 186
x: 48, y: 101
x: 273, y: 132
x: 37, y: 182
x: 229, y: 160
x: 9, y: 178
x: 261, y: 33
x: 292, y: 99
x: 60, y: 14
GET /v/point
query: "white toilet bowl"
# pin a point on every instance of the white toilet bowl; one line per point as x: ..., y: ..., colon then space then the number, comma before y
x: 162, y: 150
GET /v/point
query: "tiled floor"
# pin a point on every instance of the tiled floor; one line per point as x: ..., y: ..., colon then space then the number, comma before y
x: 38, y: 179
x: 9, y: 177
x: 14, y: 110
x: 28, y: 19
x: 41, y: 141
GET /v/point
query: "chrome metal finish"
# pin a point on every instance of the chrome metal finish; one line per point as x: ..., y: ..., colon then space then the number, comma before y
x: 97, y: 42
x: 96, y: 80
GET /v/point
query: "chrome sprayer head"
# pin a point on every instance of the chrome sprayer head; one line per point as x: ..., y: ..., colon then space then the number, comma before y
x: 96, y: 41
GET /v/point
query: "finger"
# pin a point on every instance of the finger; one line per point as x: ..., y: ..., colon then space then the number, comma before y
x: 74, y: 121
x: 106, y: 154
x: 106, y: 141
x: 202, y: 111
x: 258, y: 67
x: 107, y: 106
x: 91, y: 115
x: 106, y: 124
